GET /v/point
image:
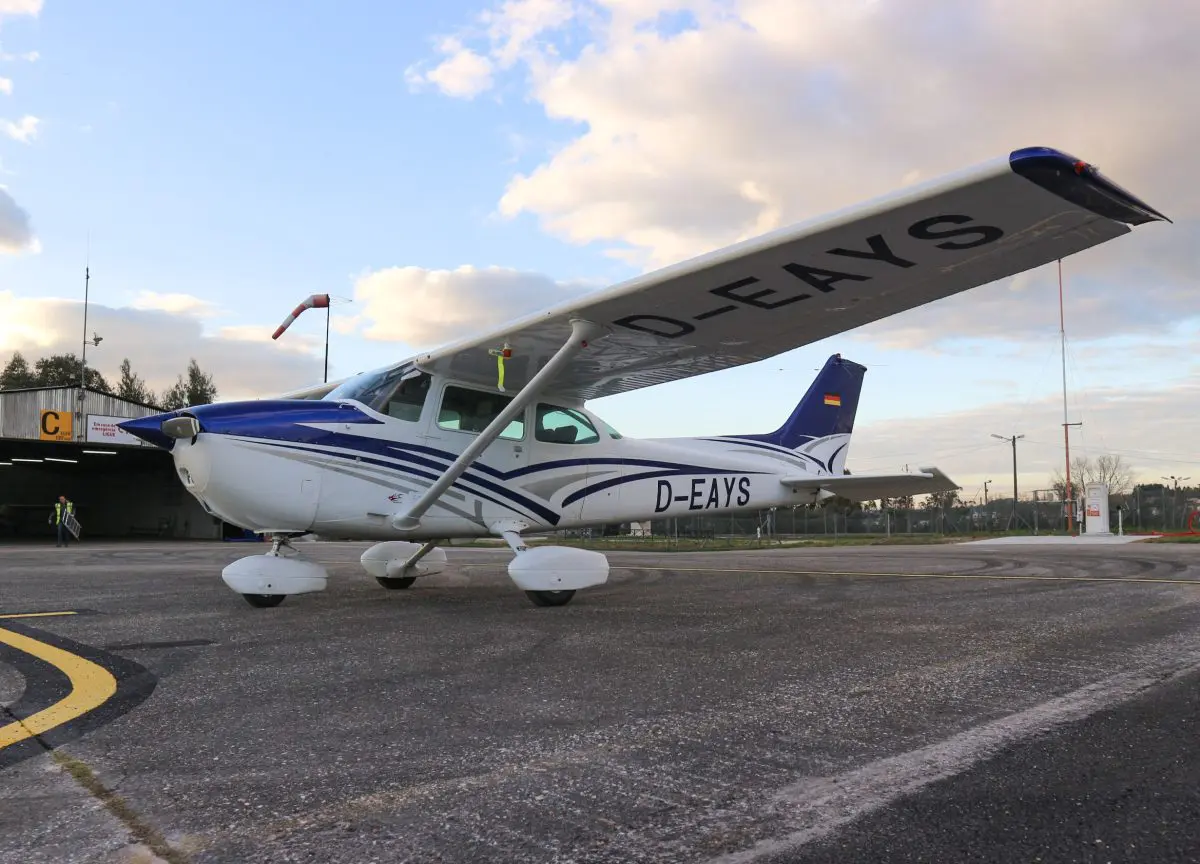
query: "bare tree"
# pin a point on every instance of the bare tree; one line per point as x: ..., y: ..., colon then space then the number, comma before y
x: 1110, y: 469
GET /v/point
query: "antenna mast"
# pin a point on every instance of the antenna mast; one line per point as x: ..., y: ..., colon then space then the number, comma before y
x: 1068, y: 498
x: 87, y: 278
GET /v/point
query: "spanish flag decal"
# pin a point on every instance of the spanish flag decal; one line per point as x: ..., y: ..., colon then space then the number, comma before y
x: 833, y: 399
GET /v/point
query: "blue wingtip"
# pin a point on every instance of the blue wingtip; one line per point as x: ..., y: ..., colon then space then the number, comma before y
x: 1082, y: 184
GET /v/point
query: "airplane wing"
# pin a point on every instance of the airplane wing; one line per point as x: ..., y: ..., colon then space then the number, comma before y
x: 869, y: 487
x: 813, y: 280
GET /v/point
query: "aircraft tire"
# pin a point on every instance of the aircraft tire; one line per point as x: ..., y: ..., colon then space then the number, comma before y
x: 394, y: 583
x: 264, y: 601
x: 550, y: 598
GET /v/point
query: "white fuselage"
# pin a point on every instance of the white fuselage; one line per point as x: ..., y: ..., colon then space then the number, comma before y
x: 347, y: 480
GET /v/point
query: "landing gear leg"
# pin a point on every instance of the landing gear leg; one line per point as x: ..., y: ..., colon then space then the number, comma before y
x: 410, y: 563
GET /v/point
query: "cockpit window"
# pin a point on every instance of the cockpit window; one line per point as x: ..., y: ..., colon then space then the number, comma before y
x: 472, y: 410
x: 396, y: 392
x: 407, y: 400
x: 367, y: 388
x: 557, y: 425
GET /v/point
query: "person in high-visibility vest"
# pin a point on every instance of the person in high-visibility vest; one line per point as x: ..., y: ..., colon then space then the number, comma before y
x: 62, y: 508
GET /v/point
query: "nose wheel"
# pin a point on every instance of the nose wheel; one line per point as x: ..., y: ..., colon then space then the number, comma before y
x: 263, y: 601
x: 264, y: 581
x: 550, y: 598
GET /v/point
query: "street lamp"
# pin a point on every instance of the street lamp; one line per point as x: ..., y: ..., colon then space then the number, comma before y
x: 1175, y: 492
x: 1013, y: 439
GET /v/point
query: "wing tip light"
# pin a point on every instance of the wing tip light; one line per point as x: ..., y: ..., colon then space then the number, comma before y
x: 1081, y: 183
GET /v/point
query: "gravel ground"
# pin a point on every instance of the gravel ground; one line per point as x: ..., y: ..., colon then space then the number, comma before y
x: 696, y: 708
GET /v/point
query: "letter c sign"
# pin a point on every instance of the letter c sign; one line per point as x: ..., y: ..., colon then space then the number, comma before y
x: 55, y: 425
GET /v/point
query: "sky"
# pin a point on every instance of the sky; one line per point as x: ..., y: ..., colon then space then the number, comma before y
x: 441, y: 168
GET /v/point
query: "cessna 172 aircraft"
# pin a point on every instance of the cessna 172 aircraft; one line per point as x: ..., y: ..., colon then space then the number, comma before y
x: 491, y: 436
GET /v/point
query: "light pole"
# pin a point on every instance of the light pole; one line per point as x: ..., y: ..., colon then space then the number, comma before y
x: 1013, y: 439
x: 1174, y: 494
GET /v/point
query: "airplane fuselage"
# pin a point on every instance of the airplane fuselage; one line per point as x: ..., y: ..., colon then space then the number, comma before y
x: 341, y: 470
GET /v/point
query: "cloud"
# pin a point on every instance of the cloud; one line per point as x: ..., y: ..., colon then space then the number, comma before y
x: 158, y: 344
x: 697, y: 123
x: 20, y: 7
x: 514, y: 27
x: 1150, y: 428
x: 28, y: 57
x: 463, y: 74
x: 23, y: 130
x: 16, y: 235
x: 427, y: 307
x: 6, y: 86
x: 177, y: 304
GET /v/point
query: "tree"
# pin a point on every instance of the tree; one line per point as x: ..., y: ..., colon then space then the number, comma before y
x: 1105, y: 469
x: 17, y: 374
x: 132, y: 387
x: 197, y: 389
x: 62, y: 370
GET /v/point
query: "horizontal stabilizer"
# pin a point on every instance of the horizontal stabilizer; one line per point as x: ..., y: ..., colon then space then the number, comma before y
x: 869, y: 487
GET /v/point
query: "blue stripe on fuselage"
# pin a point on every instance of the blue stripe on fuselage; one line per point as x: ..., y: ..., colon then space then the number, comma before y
x: 294, y: 424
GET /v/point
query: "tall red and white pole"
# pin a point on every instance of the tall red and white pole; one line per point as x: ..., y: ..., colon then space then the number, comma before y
x: 1062, y: 333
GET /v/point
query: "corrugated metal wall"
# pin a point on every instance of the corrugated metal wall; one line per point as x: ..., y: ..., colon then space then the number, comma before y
x: 21, y: 410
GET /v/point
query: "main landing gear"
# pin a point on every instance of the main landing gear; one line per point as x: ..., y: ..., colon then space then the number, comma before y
x: 550, y: 576
x: 396, y: 564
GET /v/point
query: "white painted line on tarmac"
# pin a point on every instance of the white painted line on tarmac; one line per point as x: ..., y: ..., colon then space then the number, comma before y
x: 816, y: 807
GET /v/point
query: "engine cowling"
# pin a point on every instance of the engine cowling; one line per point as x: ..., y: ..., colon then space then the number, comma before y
x: 386, y: 560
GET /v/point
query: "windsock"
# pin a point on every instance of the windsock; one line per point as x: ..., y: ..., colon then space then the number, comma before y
x: 316, y: 301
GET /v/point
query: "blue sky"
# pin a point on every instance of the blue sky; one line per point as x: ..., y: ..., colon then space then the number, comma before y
x: 242, y: 154
x: 246, y: 155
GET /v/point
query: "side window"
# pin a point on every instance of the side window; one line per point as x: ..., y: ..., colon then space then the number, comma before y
x: 472, y: 410
x: 557, y: 425
x: 408, y: 399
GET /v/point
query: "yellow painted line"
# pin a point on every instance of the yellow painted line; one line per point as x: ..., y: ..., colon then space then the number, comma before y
x: 1016, y: 576
x: 35, y: 614
x: 91, y: 686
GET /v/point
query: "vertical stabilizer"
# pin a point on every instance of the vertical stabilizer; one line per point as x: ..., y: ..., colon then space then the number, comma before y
x: 821, y: 424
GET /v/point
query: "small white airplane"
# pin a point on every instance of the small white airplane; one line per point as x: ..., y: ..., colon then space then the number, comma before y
x: 491, y: 436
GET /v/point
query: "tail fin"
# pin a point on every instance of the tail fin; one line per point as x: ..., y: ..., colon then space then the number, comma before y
x: 821, y: 423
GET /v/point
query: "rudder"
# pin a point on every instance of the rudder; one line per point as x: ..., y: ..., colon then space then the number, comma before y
x: 823, y: 420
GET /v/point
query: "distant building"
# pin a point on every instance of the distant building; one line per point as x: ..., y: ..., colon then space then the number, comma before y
x: 54, y: 443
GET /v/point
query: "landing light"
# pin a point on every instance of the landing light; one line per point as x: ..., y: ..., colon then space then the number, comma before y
x: 56, y: 459
x: 101, y: 452
x: 19, y: 459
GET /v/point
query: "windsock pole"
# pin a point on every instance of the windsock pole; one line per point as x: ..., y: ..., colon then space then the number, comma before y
x: 316, y: 301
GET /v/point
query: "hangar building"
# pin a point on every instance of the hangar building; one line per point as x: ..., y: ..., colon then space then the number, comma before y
x: 64, y: 441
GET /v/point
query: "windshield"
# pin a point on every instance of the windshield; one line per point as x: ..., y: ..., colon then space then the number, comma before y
x: 369, y: 388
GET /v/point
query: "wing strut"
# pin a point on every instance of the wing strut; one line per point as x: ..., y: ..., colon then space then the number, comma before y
x: 581, y: 332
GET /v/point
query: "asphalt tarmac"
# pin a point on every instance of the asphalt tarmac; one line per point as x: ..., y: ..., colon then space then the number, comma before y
x: 950, y: 703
